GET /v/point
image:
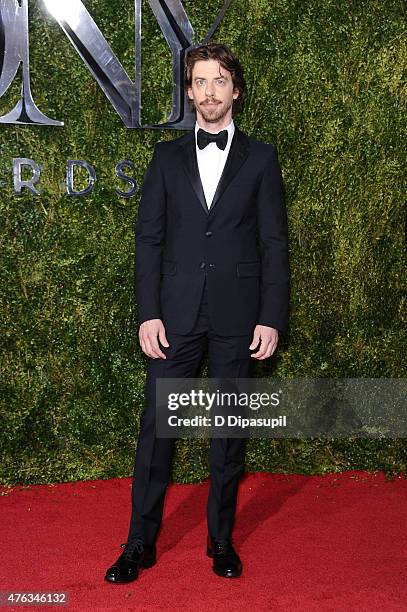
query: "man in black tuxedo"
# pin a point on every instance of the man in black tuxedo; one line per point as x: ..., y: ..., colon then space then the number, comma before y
x: 212, y: 271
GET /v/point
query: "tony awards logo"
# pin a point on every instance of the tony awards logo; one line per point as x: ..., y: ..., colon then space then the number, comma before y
x: 123, y: 92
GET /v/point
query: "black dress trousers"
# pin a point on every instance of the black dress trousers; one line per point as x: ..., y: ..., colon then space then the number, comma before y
x: 229, y: 356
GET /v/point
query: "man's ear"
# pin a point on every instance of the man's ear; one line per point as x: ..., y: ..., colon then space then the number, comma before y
x: 236, y: 94
x: 189, y: 91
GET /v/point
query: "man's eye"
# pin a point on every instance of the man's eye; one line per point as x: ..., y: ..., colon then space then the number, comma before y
x: 199, y: 82
x: 221, y: 81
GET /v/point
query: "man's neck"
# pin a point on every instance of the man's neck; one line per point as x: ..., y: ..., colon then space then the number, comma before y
x: 214, y: 127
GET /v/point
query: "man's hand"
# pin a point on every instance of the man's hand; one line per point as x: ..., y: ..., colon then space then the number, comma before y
x: 148, y: 333
x: 268, y: 338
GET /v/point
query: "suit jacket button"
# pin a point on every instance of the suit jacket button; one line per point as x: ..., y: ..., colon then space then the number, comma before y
x: 208, y: 234
x: 202, y: 264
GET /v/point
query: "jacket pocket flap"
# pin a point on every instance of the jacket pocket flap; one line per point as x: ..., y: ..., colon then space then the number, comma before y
x: 249, y: 268
x: 168, y: 267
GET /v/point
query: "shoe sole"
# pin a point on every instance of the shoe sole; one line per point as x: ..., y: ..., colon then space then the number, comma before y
x: 227, y: 575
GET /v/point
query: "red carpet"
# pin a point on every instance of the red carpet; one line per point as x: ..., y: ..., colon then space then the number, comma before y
x: 331, y: 543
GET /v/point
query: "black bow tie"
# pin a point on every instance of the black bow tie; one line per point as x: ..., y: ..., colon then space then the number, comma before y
x: 204, y: 138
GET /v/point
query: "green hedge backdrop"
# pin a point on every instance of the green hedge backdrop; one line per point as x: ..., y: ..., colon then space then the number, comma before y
x: 326, y: 84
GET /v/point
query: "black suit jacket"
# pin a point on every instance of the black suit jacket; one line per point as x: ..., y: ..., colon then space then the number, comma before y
x: 240, y: 243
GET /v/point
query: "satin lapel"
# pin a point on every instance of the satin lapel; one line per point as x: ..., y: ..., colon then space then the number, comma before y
x: 238, y: 152
x: 191, y: 168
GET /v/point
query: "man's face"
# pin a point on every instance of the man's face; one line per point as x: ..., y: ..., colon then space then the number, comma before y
x: 212, y: 91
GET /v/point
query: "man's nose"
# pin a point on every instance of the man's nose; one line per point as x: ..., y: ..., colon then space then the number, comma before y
x: 209, y: 90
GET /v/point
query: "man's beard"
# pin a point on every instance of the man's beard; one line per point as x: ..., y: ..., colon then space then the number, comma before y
x: 217, y: 114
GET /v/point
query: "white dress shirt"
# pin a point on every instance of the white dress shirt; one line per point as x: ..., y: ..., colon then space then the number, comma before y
x: 211, y: 161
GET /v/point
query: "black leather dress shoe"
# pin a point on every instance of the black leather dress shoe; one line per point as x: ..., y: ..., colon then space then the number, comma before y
x: 135, y: 556
x: 226, y: 561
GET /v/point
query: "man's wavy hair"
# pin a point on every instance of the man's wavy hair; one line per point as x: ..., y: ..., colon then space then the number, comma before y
x: 226, y: 59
